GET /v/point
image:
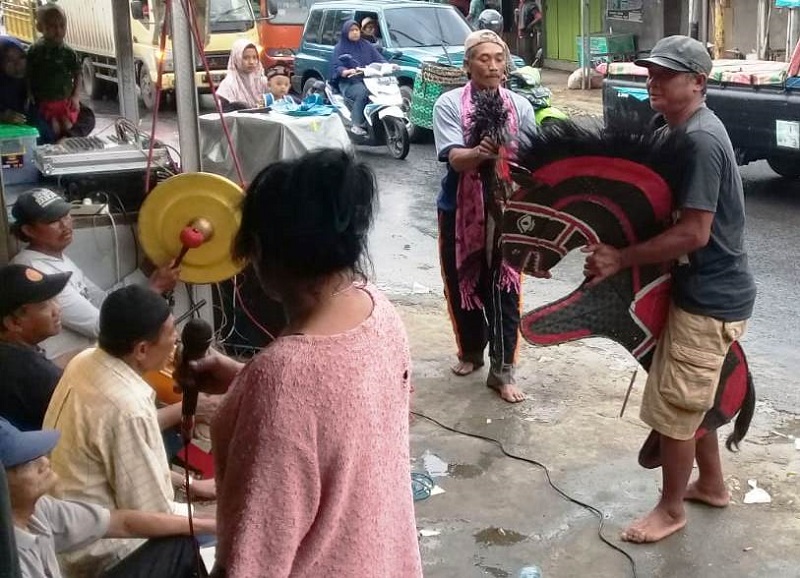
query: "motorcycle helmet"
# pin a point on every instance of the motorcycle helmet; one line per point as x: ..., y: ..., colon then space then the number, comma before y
x: 491, y: 20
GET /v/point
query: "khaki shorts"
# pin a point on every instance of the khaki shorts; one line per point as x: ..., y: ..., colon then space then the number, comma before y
x: 685, y: 371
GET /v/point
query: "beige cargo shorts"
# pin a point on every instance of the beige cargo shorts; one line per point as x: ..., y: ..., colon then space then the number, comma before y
x: 685, y: 372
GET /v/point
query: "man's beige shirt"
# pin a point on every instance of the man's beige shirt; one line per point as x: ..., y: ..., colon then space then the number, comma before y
x: 111, y: 452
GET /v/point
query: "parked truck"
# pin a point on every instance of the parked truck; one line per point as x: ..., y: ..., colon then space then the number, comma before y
x: 90, y: 32
x: 758, y: 102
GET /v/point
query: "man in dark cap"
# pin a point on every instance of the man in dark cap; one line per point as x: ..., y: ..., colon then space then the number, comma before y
x: 42, y: 220
x: 713, y: 287
x: 46, y: 526
x: 29, y: 314
x: 111, y: 451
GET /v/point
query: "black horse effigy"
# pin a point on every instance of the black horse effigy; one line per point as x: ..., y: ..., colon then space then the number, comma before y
x: 581, y: 186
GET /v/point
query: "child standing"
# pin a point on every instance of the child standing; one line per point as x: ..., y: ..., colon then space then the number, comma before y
x: 54, y: 71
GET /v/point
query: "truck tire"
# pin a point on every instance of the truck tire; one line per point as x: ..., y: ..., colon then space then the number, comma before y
x: 147, y: 89
x: 788, y: 167
x: 93, y: 87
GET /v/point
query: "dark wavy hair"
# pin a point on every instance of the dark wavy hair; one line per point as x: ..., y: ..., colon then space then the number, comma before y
x: 309, y: 217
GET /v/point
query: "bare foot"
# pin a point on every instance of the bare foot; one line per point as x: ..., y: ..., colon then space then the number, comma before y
x: 655, y: 526
x: 718, y: 498
x: 463, y: 368
x: 509, y: 392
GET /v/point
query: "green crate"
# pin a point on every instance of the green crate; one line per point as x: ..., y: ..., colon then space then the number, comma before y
x: 608, y: 47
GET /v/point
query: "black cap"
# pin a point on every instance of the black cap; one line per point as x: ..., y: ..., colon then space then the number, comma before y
x: 39, y: 205
x: 21, y: 285
x: 679, y: 53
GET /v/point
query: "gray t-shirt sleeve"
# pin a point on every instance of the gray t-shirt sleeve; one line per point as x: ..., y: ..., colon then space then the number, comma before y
x: 527, y: 116
x: 447, y: 131
x: 74, y: 525
x: 704, y: 173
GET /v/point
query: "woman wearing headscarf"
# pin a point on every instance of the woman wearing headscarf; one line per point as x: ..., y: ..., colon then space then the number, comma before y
x: 15, y: 105
x: 13, y: 87
x: 351, y: 84
x: 244, y: 85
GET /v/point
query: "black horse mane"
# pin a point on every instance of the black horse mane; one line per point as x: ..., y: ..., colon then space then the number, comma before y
x: 665, y: 152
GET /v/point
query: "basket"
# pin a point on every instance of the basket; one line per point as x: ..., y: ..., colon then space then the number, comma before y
x: 431, y: 82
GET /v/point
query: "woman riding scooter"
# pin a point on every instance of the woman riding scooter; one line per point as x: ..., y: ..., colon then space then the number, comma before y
x: 348, y: 80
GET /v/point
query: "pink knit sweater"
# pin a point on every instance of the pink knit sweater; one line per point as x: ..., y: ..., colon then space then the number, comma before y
x: 312, y: 454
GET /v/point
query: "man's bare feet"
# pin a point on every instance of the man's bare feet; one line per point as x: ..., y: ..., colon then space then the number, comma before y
x: 655, y: 526
x: 718, y: 498
x: 463, y: 368
x: 509, y: 392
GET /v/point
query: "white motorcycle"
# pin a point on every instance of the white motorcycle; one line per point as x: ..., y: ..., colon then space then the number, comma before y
x: 387, y: 123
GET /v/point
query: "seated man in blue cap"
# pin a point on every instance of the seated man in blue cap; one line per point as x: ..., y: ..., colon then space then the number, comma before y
x: 29, y: 314
x: 45, y: 526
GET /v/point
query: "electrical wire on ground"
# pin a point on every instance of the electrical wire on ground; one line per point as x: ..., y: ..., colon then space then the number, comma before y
x: 592, y: 509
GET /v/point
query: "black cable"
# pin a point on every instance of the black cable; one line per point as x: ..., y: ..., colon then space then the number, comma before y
x: 595, y: 511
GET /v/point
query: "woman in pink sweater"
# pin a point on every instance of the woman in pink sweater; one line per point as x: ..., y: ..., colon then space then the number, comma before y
x: 311, y: 442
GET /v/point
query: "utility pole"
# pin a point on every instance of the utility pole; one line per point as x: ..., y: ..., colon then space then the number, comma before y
x: 126, y: 70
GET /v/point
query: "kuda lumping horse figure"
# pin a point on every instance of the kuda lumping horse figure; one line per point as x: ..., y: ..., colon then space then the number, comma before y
x: 577, y: 186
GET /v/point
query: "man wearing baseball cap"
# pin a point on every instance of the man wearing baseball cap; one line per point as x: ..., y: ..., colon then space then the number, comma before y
x: 713, y: 287
x: 481, y: 290
x: 46, y: 526
x: 42, y: 220
x: 29, y: 314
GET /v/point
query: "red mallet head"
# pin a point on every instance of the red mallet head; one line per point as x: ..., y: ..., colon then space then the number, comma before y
x: 196, y: 233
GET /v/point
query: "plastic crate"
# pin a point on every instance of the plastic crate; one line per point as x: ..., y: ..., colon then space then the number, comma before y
x: 17, y: 143
x: 608, y: 47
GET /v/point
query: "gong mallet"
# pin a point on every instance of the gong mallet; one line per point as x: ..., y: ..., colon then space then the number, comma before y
x: 193, y: 235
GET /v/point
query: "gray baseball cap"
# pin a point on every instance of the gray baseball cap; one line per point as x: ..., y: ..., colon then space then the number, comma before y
x: 679, y: 53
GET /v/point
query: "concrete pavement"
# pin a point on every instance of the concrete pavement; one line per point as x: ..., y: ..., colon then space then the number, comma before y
x: 498, y: 515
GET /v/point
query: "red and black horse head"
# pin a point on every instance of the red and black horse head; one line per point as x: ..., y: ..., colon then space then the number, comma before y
x: 579, y: 186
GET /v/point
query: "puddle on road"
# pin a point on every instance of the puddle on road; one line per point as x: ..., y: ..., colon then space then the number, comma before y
x: 496, y: 572
x: 499, y: 537
x: 438, y: 468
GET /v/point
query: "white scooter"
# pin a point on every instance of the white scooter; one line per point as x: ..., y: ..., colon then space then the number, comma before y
x: 387, y: 123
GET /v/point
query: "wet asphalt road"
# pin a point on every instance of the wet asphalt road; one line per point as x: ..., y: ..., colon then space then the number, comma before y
x: 403, y: 248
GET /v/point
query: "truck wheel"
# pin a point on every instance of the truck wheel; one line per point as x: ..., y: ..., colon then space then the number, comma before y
x: 147, y: 90
x: 788, y: 167
x: 92, y: 86
x: 415, y: 133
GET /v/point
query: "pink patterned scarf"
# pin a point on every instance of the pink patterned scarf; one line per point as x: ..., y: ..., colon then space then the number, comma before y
x: 471, y: 231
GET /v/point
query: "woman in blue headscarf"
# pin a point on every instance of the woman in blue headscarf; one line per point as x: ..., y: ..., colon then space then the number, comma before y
x: 14, y: 102
x: 16, y: 106
x: 351, y: 84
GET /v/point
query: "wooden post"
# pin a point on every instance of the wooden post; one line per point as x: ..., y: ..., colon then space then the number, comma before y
x: 719, y: 28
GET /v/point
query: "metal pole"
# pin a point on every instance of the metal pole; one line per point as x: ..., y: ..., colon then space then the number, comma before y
x: 5, y: 238
x: 704, y: 34
x: 185, y: 89
x: 586, y: 43
x: 126, y: 71
x: 693, y: 25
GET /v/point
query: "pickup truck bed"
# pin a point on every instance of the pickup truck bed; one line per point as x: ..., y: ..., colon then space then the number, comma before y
x: 758, y: 102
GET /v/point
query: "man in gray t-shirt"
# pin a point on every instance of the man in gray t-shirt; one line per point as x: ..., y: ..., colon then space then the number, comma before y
x: 713, y: 294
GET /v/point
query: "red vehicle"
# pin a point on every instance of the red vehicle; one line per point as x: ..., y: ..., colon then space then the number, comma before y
x: 280, y: 26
